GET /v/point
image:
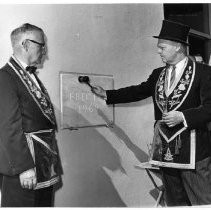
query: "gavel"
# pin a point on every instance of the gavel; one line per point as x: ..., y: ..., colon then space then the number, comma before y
x: 85, y: 79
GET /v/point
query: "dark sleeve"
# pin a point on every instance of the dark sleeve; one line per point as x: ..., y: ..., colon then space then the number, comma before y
x: 15, y: 156
x: 198, y: 116
x: 132, y: 93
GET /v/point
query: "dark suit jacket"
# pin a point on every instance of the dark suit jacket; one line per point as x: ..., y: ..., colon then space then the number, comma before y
x: 195, y: 102
x: 19, y: 114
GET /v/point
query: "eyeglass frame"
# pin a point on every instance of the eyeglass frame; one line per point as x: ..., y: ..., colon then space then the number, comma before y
x: 41, y: 44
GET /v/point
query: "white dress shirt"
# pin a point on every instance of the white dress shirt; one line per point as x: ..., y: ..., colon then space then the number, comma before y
x: 179, y: 68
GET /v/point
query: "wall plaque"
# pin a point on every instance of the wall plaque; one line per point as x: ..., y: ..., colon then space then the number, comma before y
x: 79, y: 106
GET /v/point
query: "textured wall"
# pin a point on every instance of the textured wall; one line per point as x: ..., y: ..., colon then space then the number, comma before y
x: 109, y: 39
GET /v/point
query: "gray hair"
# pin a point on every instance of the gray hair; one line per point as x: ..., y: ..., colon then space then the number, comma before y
x: 183, y: 49
x: 17, y: 33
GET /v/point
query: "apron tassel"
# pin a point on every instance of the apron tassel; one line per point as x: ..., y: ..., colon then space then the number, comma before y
x: 176, y: 146
x: 179, y: 142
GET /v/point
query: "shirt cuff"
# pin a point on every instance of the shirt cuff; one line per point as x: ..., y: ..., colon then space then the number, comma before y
x: 184, y: 121
x: 105, y: 97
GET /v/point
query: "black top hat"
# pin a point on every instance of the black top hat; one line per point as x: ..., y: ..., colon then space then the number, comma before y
x: 174, y: 31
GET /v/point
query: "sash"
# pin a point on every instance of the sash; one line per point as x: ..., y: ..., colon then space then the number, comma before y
x: 40, y: 96
x: 174, y: 147
x: 169, y: 100
x: 44, y: 152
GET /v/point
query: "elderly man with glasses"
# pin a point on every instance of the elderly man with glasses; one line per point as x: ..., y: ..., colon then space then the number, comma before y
x: 29, y: 158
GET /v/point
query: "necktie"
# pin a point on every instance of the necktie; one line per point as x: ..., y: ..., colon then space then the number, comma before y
x: 31, y: 69
x: 173, y: 75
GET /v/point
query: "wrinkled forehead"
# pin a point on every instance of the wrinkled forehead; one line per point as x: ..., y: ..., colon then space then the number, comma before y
x: 34, y: 35
x: 165, y: 42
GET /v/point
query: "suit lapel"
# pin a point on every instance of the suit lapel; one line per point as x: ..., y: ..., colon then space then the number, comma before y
x: 173, y: 99
x: 40, y: 96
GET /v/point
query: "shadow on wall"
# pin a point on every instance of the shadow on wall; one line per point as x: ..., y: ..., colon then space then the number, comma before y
x: 140, y: 154
x: 84, y: 154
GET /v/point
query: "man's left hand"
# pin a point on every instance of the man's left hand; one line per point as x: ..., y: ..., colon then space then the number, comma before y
x: 28, y: 179
x: 172, y: 118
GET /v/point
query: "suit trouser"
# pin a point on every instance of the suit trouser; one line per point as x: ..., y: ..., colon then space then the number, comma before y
x: 13, y: 195
x: 188, y: 187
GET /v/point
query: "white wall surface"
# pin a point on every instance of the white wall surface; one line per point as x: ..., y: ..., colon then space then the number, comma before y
x: 113, y: 39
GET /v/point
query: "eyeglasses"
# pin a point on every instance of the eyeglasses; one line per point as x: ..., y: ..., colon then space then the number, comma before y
x: 41, y: 44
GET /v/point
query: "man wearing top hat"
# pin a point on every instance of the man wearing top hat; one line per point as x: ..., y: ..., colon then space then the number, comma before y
x: 181, y: 92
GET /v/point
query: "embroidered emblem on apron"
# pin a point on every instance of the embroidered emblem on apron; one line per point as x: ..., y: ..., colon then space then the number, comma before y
x: 168, y: 155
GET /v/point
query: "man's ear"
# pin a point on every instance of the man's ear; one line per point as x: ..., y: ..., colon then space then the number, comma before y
x: 178, y: 46
x: 25, y: 45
